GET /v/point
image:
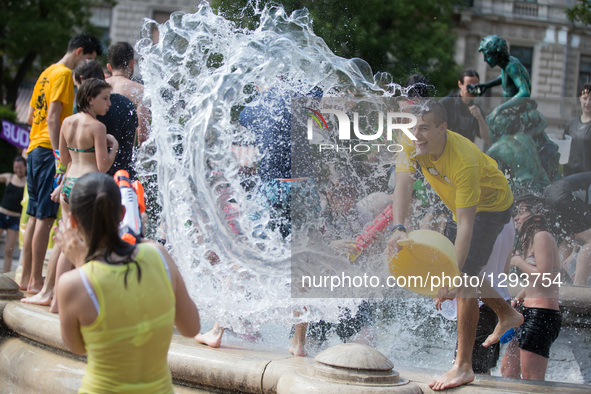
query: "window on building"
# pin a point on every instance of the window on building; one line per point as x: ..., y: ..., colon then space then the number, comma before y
x: 160, y: 17
x: 525, y: 8
x: 584, y: 71
x: 101, y: 19
x: 525, y: 56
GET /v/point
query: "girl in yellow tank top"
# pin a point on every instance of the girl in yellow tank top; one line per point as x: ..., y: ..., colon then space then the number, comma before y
x: 121, y: 303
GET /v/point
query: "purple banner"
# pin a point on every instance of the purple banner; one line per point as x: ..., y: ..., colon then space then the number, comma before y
x: 15, y: 135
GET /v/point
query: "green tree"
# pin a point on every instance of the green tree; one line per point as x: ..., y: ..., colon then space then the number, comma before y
x: 35, y: 34
x: 399, y: 36
x: 580, y: 12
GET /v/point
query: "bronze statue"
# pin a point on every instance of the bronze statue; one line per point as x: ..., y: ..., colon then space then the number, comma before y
x: 516, y: 126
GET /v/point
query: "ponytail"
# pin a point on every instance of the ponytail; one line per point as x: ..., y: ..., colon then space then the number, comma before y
x: 95, y: 201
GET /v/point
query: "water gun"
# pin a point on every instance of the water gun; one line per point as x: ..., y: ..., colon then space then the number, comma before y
x: 370, y: 232
x: 507, y: 336
x: 132, y: 198
x: 60, y: 170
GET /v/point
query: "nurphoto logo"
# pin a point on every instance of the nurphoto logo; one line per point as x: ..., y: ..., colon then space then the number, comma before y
x: 394, y: 121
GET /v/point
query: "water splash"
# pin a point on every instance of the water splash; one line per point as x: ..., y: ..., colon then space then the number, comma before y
x: 198, y: 77
x: 201, y: 73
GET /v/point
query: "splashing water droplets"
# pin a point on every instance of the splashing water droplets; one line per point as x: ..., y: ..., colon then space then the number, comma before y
x: 198, y: 77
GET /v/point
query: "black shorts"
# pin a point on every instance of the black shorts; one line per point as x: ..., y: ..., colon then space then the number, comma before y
x: 487, y: 227
x: 539, y: 330
x: 484, y: 358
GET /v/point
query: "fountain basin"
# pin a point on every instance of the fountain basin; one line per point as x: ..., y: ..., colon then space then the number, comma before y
x: 34, y: 359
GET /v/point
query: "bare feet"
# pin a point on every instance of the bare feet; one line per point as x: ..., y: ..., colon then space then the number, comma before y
x: 35, y: 287
x: 24, y: 283
x: 40, y: 298
x: 297, y: 349
x: 212, y: 338
x: 515, y: 320
x: 298, y: 341
x: 453, y: 378
x: 53, y: 307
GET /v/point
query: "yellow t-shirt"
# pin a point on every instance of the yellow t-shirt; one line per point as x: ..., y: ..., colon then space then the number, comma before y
x: 128, y: 343
x: 54, y: 84
x: 462, y: 177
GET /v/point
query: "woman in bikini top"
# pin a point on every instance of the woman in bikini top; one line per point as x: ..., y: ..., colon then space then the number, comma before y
x: 85, y: 145
x: 541, y: 268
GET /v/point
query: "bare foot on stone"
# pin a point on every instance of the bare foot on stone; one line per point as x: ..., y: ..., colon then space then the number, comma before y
x: 453, y: 378
x: 502, y: 327
x: 34, y: 287
x: 40, y: 298
x: 297, y: 349
x: 212, y: 338
x: 53, y: 307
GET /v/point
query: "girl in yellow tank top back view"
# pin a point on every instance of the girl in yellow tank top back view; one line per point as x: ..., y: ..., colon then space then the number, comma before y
x: 121, y: 303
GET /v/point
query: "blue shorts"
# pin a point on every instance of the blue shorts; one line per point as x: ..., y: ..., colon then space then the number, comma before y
x: 9, y: 222
x: 40, y: 174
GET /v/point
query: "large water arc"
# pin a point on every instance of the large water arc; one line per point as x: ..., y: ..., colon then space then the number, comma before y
x: 198, y: 76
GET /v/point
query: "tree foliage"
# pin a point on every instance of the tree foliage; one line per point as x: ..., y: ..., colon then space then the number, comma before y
x: 580, y: 12
x: 35, y: 34
x: 399, y: 36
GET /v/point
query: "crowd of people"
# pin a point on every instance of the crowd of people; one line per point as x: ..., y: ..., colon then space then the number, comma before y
x: 104, y: 287
x: 106, y: 290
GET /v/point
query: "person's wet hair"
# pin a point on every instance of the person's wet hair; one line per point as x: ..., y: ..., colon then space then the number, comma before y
x: 533, y: 202
x: 537, y: 221
x: 120, y: 55
x: 531, y: 225
x: 89, y: 89
x: 430, y: 106
x: 87, y: 69
x: 88, y: 43
x: 95, y: 202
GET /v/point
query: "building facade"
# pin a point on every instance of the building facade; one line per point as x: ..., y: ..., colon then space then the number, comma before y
x: 124, y: 21
x: 556, y: 52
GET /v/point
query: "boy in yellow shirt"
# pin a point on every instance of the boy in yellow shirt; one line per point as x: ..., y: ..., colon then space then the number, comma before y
x: 477, y: 193
x: 51, y: 103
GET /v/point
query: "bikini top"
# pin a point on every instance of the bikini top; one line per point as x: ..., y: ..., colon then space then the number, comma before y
x: 89, y: 150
